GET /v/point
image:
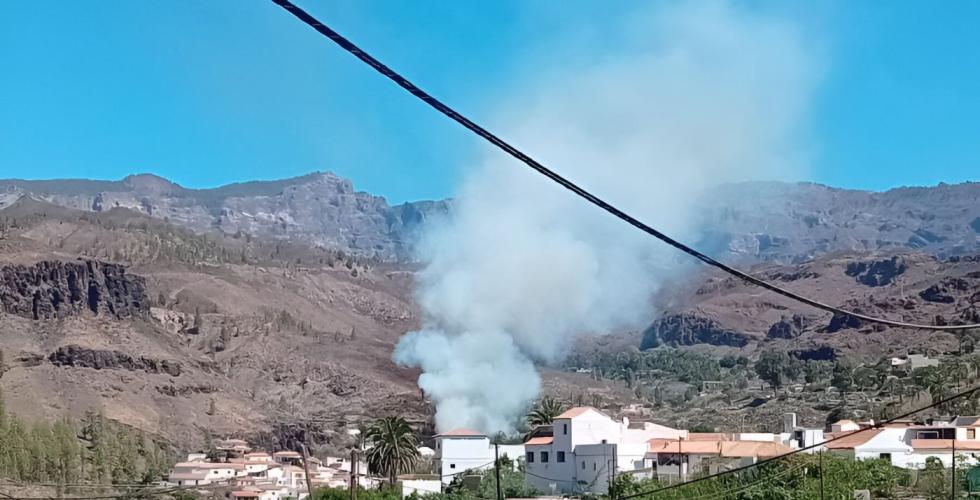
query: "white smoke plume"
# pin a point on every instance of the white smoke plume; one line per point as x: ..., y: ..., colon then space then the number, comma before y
x: 706, y: 94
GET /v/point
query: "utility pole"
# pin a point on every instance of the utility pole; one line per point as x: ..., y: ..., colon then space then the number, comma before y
x: 306, y: 470
x: 612, y: 471
x: 820, y: 458
x: 353, y: 474
x: 952, y: 493
x: 496, y: 467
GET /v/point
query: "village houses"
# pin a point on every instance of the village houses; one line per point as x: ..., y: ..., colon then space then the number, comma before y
x: 582, y: 450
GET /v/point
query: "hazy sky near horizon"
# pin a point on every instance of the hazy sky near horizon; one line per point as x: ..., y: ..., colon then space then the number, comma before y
x: 207, y: 93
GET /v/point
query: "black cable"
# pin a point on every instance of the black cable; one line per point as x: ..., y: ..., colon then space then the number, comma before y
x: 567, y: 184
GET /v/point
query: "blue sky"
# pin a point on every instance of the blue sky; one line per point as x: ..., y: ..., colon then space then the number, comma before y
x: 206, y: 93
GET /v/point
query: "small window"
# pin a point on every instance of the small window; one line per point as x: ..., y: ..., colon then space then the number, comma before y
x: 544, y: 457
x: 971, y: 433
x: 593, y: 466
x: 561, y: 457
x: 530, y: 457
x: 583, y: 464
x: 452, y: 466
x: 885, y: 456
x: 564, y: 428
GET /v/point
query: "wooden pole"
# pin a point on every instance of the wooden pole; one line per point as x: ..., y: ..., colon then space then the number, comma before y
x: 353, y: 474
x: 952, y: 493
x: 306, y: 470
x: 820, y: 455
x: 496, y: 467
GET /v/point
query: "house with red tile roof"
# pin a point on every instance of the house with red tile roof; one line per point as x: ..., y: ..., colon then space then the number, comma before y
x: 584, y: 446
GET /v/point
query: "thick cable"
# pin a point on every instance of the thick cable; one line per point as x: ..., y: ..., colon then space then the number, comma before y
x: 567, y: 184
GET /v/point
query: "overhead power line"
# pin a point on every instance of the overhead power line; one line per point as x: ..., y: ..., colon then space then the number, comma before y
x: 567, y: 184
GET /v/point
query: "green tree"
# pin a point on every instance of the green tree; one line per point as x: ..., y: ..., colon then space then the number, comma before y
x: 545, y: 411
x: 395, y: 447
x: 772, y: 367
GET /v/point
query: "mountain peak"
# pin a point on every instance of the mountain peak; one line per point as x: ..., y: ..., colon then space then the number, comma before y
x: 151, y: 183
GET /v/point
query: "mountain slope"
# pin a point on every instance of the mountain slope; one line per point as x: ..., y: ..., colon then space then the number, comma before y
x: 319, y: 208
x: 184, y: 335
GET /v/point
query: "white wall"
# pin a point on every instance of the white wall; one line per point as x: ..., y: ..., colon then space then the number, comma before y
x: 421, y: 486
x: 457, y: 454
x: 767, y: 437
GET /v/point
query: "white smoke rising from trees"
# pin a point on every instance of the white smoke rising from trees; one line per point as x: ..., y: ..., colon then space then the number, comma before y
x: 707, y: 94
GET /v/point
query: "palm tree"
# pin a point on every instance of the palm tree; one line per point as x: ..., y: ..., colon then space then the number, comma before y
x: 395, y: 447
x: 545, y: 411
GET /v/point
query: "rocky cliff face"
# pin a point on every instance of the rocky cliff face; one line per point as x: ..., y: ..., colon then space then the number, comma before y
x: 318, y: 208
x: 792, y: 223
x: 55, y: 289
x: 690, y: 328
x: 102, y: 359
x: 913, y: 287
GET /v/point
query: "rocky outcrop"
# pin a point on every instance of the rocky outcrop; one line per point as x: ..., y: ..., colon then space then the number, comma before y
x: 56, y: 289
x: 788, y: 327
x: 185, y: 390
x: 690, y: 329
x: 77, y: 356
x: 817, y: 353
x: 945, y: 291
x: 877, y: 272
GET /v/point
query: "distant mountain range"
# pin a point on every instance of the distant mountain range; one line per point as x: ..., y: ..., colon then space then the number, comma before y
x: 319, y: 208
x: 792, y: 223
x: 758, y: 221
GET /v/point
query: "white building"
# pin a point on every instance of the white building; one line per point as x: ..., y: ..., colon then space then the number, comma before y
x: 585, y: 449
x: 910, y: 446
x: 421, y: 484
x: 460, y: 450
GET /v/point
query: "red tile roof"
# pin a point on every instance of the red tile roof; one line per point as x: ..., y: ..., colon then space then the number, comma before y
x: 699, y: 447
x: 755, y: 449
x: 944, y: 444
x: 850, y: 439
x: 577, y: 411
x: 540, y: 440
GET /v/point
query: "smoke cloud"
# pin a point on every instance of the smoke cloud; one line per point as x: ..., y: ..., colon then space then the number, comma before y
x: 706, y: 94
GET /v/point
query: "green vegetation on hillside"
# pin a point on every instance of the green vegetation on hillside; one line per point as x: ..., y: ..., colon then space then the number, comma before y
x: 90, y: 451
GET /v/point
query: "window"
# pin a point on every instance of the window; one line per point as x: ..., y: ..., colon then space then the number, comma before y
x: 583, y: 464
x: 885, y: 456
x: 564, y: 428
x: 544, y: 457
x: 593, y: 466
x: 971, y: 433
x: 530, y: 457
x: 452, y: 466
x: 561, y: 457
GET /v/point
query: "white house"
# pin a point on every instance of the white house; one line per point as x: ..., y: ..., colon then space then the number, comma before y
x: 460, y: 450
x: 887, y: 444
x: 585, y: 448
x: 911, y: 446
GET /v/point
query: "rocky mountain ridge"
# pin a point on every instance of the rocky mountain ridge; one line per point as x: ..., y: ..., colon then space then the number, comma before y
x: 746, y: 222
x: 319, y: 208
